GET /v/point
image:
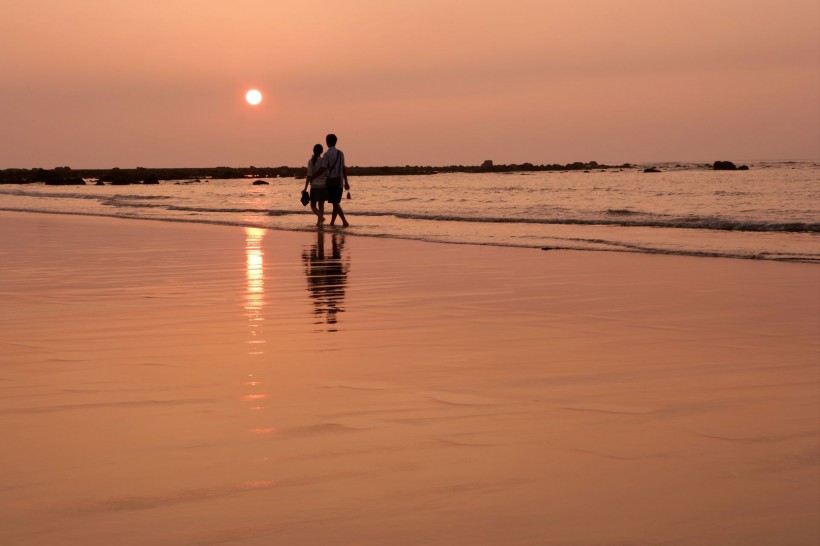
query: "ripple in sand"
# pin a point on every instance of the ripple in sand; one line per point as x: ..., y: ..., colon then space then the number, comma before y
x: 102, y: 405
x: 149, y: 502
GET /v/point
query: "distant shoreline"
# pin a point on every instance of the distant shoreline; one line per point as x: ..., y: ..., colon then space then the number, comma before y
x: 66, y: 176
x: 69, y: 176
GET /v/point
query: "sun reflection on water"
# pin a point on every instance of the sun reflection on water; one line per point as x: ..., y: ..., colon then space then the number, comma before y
x: 255, y: 294
x: 254, y: 306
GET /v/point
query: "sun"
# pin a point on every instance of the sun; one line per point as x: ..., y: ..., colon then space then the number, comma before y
x: 254, y: 97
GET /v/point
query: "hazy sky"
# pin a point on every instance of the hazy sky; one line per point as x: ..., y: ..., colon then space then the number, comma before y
x: 161, y: 83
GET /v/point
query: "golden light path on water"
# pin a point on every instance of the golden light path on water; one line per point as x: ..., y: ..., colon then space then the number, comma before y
x: 254, y: 304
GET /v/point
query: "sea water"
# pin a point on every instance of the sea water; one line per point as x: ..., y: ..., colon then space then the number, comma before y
x: 771, y: 211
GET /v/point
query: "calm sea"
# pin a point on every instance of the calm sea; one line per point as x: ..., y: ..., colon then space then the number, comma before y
x: 769, y: 212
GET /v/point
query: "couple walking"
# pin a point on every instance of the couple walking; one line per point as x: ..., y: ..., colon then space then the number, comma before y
x: 326, y: 174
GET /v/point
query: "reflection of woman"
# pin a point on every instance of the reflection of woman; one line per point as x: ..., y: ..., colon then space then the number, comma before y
x: 318, y: 185
x: 327, y: 277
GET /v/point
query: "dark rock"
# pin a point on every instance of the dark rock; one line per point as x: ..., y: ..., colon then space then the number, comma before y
x: 652, y: 170
x: 151, y: 180
x: 67, y: 181
x: 743, y: 168
x: 487, y: 165
x: 118, y: 177
x: 260, y: 183
x: 724, y: 166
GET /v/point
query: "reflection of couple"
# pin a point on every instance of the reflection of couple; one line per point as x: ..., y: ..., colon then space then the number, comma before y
x: 327, y: 276
x: 326, y: 174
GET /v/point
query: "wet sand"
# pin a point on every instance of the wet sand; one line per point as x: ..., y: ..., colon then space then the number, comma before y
x: 183, y: 384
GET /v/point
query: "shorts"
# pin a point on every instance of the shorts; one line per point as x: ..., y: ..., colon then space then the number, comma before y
x: 318, y: 194
x: 334, y: 191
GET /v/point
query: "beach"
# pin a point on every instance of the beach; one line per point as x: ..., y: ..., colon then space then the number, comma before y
x: 190, y: 384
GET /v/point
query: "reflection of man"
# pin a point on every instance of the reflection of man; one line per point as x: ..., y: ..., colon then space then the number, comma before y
x: 327, y: 277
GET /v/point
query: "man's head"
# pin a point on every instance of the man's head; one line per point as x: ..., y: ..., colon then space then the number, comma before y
x: 331, y: 140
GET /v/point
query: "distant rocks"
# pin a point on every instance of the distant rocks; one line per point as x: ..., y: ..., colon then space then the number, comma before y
x: 728, y: 166
x: 652, y: 170
x: 68, y: 181
x: 61, y: 176
x: 260, y: 183
x: 126, y: 177
x: 258, y: 175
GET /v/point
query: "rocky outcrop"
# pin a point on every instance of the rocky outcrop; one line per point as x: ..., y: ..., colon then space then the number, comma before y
x: 68, y: 181
x: 117, y: 177
x: 728, y: 166
x: 58, y: 177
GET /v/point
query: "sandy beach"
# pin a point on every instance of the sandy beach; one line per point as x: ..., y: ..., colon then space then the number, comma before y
x: 183, y: 384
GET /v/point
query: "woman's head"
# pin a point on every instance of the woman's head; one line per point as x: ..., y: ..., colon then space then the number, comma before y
x: 317, y: 150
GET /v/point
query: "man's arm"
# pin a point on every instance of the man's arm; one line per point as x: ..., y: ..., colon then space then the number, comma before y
x: 320, y: 170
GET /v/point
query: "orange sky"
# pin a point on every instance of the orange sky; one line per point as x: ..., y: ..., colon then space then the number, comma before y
x: 104, y: 83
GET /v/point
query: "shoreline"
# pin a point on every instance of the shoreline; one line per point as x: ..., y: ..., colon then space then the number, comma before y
x: 179, y: 383
x: 329, y: 229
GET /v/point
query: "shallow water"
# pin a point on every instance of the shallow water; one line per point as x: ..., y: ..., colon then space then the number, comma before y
x: 769, y: 212
x: 200, y: 385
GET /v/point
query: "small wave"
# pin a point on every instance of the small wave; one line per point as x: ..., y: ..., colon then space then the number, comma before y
x: 655, y: 221
x: 137, y: 197
x: 621, y: 212
x: 119, y: 204
x: 58, y: 195
x: 74, y: 195
x: 614, y: 246
x: 723, y: 193
x: 219, y: 210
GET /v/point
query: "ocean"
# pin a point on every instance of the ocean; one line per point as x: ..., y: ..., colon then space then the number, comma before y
x: 771, y: 211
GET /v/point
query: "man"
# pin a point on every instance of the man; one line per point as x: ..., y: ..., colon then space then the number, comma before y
x: 333, y: 164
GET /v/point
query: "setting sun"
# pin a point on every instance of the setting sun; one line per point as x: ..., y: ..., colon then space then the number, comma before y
x: 253, y: 97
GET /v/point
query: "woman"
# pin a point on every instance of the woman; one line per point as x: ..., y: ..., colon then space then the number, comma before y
x: 318, y: 185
